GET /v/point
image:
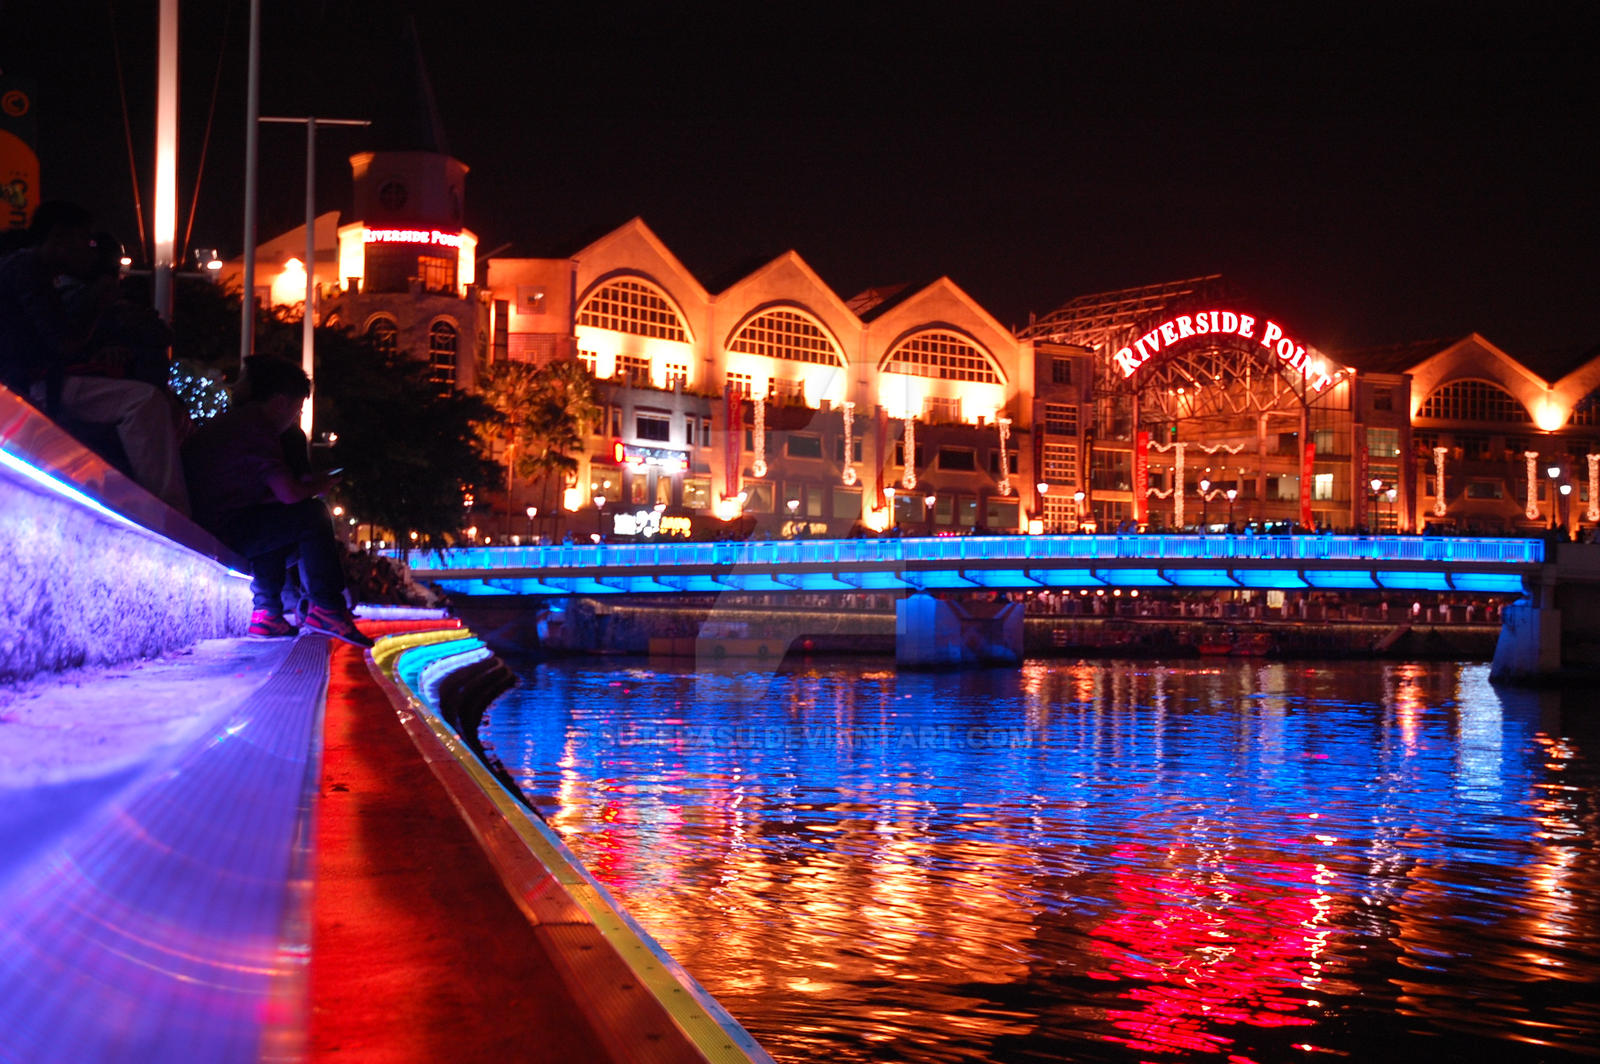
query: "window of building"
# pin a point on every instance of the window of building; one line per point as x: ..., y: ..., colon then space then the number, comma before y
x: 943, y: 509
x: 632, y: 370
x: 1471, y: 400
x: 1000, y: 513
x: 900, y: 454
x: 1288, y: 443
x: 804, y: 445
x: 958, y: 459
x: 1283, y: 488
x: 847, y: 503
x: 1383, y: 398
x: 994, y: 462
x: 1321, y: 487
x: 1061, y: 371
x: 741, y: 383
x: 663, y: 490
x: 705, y: 432
x: 1060, y: 512
x: 654, y: 427
x: 589, y: 360
x: 838, y: 449
x: 1473, y: 447
x: 633, y: 306
x: 1383, y: 445
x: 697, y: 493
x: 787, y: 334
x: 1061, y: 419
x: 941, y: 409
x: 691, y: 428
x: 677, y: 374
x: 966, y: 511
x: 639, y: 488
x: 442, y: 354
x: 384, y: 335
x: 758, y: 497
x: 438, y: 274
x: 941, y: 355
x: 1328, y: 442
x: 615, y: 421
x: 1060, y: 463
x: 1110, y: 470
x: 1485, y: 489
x: 502, y: 328
x: 786, y: 388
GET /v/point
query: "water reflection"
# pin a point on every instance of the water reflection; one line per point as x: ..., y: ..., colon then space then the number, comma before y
x: 1244, y: 861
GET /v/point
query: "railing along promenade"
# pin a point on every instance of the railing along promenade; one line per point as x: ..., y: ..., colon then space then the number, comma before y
x: 1229, y: 561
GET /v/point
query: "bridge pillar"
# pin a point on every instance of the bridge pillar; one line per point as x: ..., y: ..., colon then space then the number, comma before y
x: 932, y: 632
x: 1529, y: 647
x: 1554, y: 633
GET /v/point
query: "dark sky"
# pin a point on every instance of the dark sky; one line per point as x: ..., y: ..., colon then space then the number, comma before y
x: 1367, y: 176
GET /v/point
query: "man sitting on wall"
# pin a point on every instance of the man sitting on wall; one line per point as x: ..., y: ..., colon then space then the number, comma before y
x: 246, y: 491
x: 41, y: 336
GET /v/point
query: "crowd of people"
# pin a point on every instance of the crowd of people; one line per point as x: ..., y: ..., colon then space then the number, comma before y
x: 95, y: 362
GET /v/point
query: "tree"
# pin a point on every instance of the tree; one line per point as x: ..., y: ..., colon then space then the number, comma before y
x: 411, y: 455
x: 545, y: 416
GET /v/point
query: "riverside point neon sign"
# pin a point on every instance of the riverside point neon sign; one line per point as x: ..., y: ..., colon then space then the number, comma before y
x: 412, y: 236
x: 1223, y: 323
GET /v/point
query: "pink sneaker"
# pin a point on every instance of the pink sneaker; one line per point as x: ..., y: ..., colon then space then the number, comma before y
x: 265, y: 624
x: 337, y: 623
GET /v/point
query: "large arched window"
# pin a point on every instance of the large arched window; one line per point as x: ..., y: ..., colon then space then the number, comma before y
x: 631, y: 305
x: 384, y: 335
x: 442, y: 354
x: 943, y: 356
x: 1471, y: 400
x: 788, y: 334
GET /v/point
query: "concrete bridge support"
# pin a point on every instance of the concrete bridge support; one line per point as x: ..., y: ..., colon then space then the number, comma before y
x: 933, y: 632
x: 1554, y: 634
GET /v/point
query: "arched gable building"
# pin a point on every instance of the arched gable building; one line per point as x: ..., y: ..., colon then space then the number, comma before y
x: 1209, y: 409
x: 775, y: 401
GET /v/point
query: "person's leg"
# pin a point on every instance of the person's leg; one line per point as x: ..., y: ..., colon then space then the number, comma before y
x: 144, y: 425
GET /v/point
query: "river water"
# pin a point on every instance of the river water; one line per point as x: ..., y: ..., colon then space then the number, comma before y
x: 1100, y: 861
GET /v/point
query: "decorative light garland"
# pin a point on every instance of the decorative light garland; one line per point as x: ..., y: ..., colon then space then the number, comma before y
x: 1531, y: 510
x: 1438, y: 480
x: 908, y: 480
x: 1176, y: 491
x: 1593, y: 512
x: 1004, y: 424
x: 758, y: 468
x: 849, y: 442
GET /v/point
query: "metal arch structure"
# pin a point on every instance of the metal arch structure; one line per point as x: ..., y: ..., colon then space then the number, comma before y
x: 982, y: 563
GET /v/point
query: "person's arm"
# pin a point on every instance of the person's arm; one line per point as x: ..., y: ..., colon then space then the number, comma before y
x: 288, y: 488
x: 65, y: 333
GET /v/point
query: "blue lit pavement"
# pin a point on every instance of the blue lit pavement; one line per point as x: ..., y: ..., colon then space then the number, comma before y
x: 1487, y: 566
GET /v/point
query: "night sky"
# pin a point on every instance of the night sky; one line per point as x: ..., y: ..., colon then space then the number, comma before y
x: 1367, y: 177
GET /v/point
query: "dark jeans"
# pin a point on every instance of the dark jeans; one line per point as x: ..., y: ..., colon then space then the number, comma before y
x: 270, y: 534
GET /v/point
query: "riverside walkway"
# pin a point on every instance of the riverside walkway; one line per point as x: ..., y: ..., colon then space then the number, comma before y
x: 216, y: 849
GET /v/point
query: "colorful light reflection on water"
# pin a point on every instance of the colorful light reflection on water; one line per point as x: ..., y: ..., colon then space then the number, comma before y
x: 1105, y: 861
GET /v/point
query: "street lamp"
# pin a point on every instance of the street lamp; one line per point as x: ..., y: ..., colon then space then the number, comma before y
x: 927, y: 510
x: 1392, y: 494
x: 599, y: 517
x: 1077, y: 506
x: 1231, y: 493
x: 1205, y: 503
x: 1566, y: 495
x: 888, y: 494
x: 532, y: 512
x: 1376, y: 485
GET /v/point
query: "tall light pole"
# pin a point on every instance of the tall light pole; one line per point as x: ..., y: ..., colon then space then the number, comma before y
x: 888, y: 493
x: 1077, y: 507
x: 1392, y: 494
x: 308, y: 324
x: 1205, y: 503
x: 165, y: 216
x: 1231, y: 493
x: 927, y: 510
x: 1376, y: 485
x: 1554, y: 473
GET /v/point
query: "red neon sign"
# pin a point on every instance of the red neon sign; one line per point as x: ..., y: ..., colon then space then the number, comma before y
x: 411, y: 236
x: 1223, y: 323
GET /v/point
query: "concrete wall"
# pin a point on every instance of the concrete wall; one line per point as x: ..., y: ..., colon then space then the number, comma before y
x: 109, y: 576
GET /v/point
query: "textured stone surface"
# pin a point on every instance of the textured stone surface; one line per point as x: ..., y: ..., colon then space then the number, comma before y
x: 81, y: 589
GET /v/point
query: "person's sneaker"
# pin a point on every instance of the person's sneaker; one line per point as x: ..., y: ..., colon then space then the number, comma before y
x: 267, y: 625
x: 337, y: 623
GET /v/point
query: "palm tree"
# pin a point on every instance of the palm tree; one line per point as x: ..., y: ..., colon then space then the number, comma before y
x: 547, y: 413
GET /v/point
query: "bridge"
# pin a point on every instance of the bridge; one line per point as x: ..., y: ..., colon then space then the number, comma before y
x: 1549, y: 632
x: 977, y: 563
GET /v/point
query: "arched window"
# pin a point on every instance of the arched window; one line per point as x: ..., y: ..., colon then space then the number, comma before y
x: 1474, y: 401
x: 942, y: 355
x: 384, y: 335
x: 633, y: 306
x: 789, y: 334
x: 442, y: 354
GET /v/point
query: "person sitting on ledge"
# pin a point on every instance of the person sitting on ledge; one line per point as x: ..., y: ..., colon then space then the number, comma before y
x: 40, y: 336
x: 247, y: 493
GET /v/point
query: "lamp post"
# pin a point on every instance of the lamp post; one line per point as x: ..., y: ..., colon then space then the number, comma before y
x: 1077, y: 507
x: 888, y: 494
x: 1376, y: 485
x: 1205, y: 503
x: 1553, y: 471
x: 599, y: 517
x: 532, y: 511
x: 1392, y: 494
x: 1566, y: 496
x: 1231, y: 493
x: 927, y: 510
